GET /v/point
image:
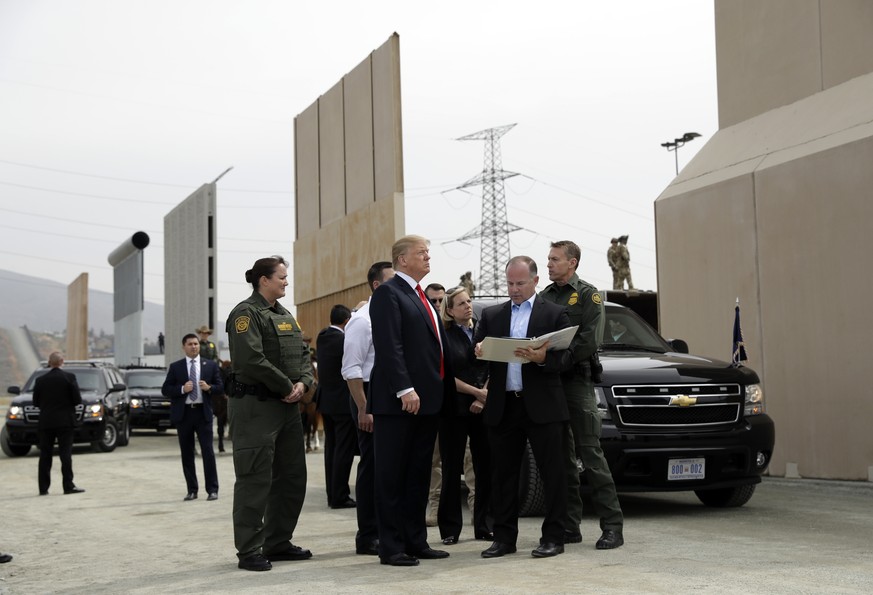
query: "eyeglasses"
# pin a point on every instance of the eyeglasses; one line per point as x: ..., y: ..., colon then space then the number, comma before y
x: 435, y: 301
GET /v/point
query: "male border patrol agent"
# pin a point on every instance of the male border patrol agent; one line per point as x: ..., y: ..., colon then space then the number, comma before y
x: 271, y: 371
x: 585, y: 307
x: 208, y: 350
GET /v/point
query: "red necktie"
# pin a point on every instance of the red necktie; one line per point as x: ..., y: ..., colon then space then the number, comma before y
x: 429, y: 309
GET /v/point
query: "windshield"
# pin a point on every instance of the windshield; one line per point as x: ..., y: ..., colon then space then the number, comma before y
x: 87, y: 379
x: 150, y: 379
x: 623, y: 327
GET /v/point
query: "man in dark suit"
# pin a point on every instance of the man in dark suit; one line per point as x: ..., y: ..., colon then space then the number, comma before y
x: 56, y: 393
x: 526, y: 402
x: 407, y: 389
x: 333, y: 403
x: 190, y: 383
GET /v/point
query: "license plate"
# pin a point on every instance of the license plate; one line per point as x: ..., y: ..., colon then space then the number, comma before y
x: 164, y: 422
x: 678, y: 469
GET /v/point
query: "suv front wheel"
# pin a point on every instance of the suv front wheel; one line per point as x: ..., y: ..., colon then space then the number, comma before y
x: 124, y: 434
x: 109, y: 440
x: 726, y: 497
x: 12, y: 450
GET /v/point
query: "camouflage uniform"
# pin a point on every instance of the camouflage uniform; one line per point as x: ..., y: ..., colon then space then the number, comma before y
x: 269, y: 357
x: 624, y: 268
x: 612, y: 259
x: 585, y: 307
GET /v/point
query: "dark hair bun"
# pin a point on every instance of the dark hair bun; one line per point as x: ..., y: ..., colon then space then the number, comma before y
x: 249, y: 276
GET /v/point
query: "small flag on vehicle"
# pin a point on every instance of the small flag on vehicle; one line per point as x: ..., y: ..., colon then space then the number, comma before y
x: 738, y: 353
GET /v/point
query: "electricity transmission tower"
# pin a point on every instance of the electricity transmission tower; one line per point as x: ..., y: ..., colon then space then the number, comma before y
x: 494, y: 228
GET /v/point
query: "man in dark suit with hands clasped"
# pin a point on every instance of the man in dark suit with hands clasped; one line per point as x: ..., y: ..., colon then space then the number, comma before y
x: 56, y: 393
x: 190, y: 383
x: 407, y: 389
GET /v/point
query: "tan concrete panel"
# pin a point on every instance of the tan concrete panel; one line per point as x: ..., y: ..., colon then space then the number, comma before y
x: 707, y: 259
x: 358, y: 105
x: 77, y: 319
x: 315, y: 315
x: 331, y: 155
x: 846, y: 39
x: 815, y: 220
x: 387, y: 129
x: 306, y: 171
x: 338, y: 256
x: 768, y: 54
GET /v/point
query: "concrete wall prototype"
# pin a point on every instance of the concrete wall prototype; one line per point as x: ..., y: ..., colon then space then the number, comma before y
x: 349, y: 186
x: 128, y: 298
x: 190, y: 268
x: 773, y: 53
x: 77, y: 319
x: 776, y: 210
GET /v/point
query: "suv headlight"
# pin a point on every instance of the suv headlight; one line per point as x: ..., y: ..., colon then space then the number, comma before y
x: 136, y: 403
x: 754, y: 400
x: 15, y: 412
x: 93, y: 411
x: 602, y: 406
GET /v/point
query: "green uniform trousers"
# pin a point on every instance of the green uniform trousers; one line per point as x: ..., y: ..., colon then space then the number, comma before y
x: 583, y: 442
x: 269, y: 459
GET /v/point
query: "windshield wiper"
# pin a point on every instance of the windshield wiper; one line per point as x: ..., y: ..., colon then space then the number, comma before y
x: 629, y: 347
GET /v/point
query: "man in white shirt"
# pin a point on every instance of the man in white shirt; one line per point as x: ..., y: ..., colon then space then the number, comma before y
x: 358, y: 358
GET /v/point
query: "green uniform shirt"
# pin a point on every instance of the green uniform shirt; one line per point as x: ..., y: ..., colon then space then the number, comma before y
x: 208, y: 350
x: 266, y: 346
x: 585, y: 307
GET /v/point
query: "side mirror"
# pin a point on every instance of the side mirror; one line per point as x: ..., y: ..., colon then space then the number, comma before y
x: 14, y: 390
x: 678, y: 345
x: 117, y: 387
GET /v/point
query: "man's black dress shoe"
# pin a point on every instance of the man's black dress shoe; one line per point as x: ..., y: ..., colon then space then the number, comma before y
x: 44, y: 493
x: 255, y: 562
x: 399, y: 560
x: 4, y: 558
x: 429, y: 553
x: 498, y: 549
x: 349, y: 503
x: 190, y: 496
x: 547, y: 550
x: 610, y: 540
x: 572, y: 536
x: 74, y: 491
x: 367, y: 548
x: 484, y: 535
x: 212, y: 496
x: 292, y: 552
x: 450, y: 540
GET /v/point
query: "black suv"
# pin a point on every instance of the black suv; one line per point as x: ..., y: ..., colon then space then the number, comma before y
x: 103, y: 418
x: 148, y: 407
x: 672, y: 421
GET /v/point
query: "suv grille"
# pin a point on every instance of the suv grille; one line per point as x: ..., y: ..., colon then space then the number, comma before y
x: 704, y: 405
x: 31, y: 413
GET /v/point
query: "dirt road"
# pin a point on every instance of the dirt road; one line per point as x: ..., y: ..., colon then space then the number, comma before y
x: 132, y: 533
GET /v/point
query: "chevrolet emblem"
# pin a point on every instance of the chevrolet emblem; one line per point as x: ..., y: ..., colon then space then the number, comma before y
x: 683, y: 401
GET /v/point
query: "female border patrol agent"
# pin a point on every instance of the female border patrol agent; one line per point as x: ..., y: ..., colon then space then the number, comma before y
x: 271, y: 371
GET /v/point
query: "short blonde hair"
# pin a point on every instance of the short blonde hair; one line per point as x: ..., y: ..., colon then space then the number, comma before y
x: 405, y: 243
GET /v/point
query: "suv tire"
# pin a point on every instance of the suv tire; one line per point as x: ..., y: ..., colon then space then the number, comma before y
x: 12, y: 450
x: 109, y: 440
x: 531, y: 493
x: 726, y: 497
x: 124, y: 434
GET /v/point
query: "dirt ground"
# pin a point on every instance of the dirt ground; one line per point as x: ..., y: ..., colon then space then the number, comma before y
x: 132, y: 533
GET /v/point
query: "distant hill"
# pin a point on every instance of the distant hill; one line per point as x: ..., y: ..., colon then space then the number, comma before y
x: 41, y: 305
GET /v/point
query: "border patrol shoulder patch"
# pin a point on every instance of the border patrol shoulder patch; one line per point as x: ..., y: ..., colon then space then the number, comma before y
x: 241, y: 324
x: 595, y: 297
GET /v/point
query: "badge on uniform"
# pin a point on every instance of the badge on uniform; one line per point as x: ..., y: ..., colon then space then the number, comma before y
x: 285, y: 326
x: 573, y: 299
x: 241, y: 324
x: 595, y: 297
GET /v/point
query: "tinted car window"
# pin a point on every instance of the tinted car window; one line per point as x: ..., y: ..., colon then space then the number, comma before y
x: 623, y: 326
x: 87, y: 379
x: 145, y: 379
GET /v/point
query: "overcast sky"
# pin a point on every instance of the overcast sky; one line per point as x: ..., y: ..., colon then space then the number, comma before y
x: 113, y: 111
